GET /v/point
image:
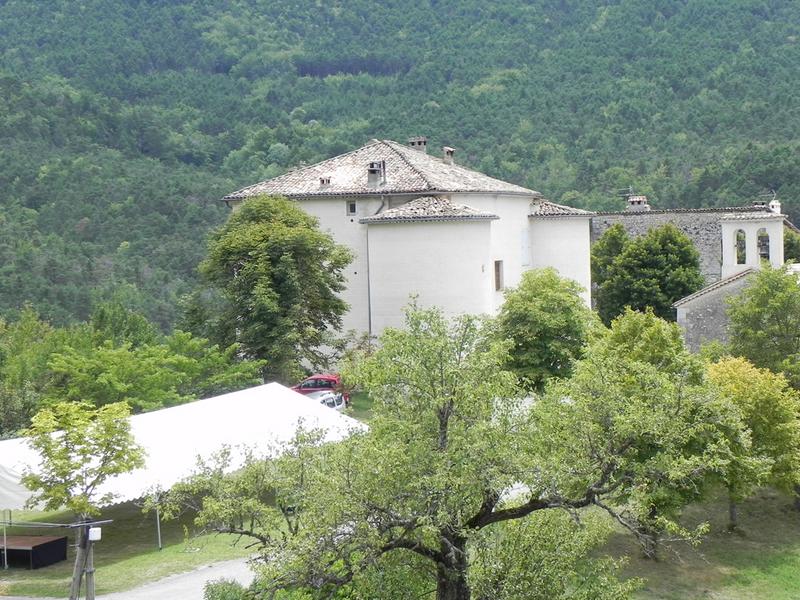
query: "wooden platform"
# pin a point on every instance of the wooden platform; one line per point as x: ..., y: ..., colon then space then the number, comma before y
x: 34, y: 551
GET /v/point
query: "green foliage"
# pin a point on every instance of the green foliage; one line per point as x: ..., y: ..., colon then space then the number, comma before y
x: 80, y: 448
x: 546, y: 557
x: 224, y: 589
x: 637, y: 417
x: 26, y: 346
x: 119, y: 356
x: 605, y: 250
x: 651, y: 271
x: 791, y: 245
x: 123, y: 124
x: 279, y: 276
x: 402, y: 508
x: 771, y: 411
x: 765, y: 322
x: 548, y: 323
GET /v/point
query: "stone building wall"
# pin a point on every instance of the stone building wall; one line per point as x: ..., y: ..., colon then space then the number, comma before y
x: 705, y: 318
x: 701, y: 226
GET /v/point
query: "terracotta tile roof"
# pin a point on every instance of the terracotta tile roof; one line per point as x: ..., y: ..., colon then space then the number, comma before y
x: 714, y: 286
x: 428, y: 208
x: 407, y: 171
x: 545, y: 208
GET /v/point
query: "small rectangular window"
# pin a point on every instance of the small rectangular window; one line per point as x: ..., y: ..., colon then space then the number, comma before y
x: 351, y: 207
x: 498, y: 275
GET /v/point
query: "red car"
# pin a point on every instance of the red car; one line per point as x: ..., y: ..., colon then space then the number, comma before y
x: 322, y: 383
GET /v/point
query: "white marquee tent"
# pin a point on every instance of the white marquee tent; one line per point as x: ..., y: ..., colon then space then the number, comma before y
x: 259, y: 418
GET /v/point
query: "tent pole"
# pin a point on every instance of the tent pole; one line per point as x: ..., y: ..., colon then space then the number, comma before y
x: 5, y: 540
x: 158, y: 526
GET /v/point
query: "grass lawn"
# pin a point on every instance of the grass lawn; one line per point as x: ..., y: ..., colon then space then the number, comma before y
x: 360, y: 407
x: 127, y: 555
x: 760, y: 561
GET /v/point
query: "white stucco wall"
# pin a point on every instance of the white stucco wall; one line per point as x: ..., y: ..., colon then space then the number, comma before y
x: 510, y: 236
x: 346, y: 230
x: 563, y: 243
x: 750, y: 227
x: 445, y: 263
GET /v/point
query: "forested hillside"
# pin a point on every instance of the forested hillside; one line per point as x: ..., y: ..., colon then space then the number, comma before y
x: 122, y: 123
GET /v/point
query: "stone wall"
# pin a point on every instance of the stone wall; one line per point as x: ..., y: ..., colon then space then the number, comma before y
x: 705, y: 318
x: 702, y: 227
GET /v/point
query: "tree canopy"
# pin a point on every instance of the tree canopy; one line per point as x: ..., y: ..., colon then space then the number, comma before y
x: 771, y: 411
x: 117, y: 357
x: 80, y: 448
x: 458, y: 471
x: 765, y: 322
x: 279, y: 276
x: 548, y: 323
x: 651, y: 271
x: 124, y: 123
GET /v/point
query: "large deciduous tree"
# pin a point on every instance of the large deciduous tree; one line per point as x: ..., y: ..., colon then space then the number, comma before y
x: 279, y: 276
x: 548, y: 323
x: 457, y: 485
x: 651, y: 271
x: 765, y: 322
x: 771, y: 412
x: 80, y: 447
x: 638, y: 416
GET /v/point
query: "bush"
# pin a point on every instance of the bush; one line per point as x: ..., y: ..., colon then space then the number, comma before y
x: 224, y: 589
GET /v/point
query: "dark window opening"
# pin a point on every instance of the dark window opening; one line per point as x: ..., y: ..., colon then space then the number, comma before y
x: 498, y: 275
x: 741, y: 247
x: 763, y: 244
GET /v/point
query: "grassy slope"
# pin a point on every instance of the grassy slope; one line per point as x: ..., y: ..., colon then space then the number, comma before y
x: 761, y: 560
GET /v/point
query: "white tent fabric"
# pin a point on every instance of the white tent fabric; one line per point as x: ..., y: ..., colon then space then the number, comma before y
x: 261, y: 419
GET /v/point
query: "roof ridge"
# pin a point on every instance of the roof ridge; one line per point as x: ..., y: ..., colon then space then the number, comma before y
x: 713, y: 286
x: 390, y: 145
x: 680, y: 209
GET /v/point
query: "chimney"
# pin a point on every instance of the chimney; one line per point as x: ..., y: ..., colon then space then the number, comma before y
x: 419, y: 142
x: 376, y: 173
x: 447, y: 154
x: 775, y: 206
x: 637, y: 203
x: 760, y: 203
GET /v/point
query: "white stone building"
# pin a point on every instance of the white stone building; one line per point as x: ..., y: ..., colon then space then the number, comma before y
x: 424, y: 226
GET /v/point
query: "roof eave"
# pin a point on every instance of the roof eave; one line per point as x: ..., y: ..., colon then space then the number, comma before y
x: 373, y: 221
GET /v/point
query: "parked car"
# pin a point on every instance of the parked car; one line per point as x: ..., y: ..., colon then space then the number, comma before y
x: 322, y: 383
x: 334, y: 400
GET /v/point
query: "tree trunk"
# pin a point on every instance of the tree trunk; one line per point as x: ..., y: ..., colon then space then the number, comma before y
x: 80, y: 563
x: 733, y: 515
x: 649, y: 536
x: 649, y: 542
x: 451, y: 576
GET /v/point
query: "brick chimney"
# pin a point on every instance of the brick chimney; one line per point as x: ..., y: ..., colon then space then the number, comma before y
x: 419, y: 142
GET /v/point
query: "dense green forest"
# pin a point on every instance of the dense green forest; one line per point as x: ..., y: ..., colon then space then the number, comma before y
x: 123, y: 122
